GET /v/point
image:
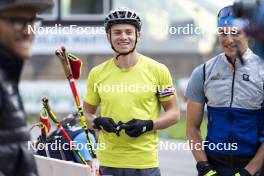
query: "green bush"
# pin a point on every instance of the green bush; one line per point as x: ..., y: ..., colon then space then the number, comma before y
x: 178, y: 131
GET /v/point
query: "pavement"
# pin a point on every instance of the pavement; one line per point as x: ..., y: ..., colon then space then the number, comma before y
x: 175, y: 160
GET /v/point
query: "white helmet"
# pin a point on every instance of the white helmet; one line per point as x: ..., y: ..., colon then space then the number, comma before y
x: 122, y: 15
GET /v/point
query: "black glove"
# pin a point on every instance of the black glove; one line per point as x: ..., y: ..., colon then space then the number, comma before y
x: 204, y: 169
x: 136, y: 127
x: 105, y: 123
x: 243, y: 172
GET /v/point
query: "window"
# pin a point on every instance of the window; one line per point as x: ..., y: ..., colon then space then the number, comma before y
x: 84, y: 9
x: 50, y: 14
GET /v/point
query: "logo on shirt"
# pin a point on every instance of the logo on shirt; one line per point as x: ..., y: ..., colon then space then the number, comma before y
x: 216, y: 77
x: 245, y: 77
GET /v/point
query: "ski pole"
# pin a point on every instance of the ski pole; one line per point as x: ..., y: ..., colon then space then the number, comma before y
x: 64, y: 133
x: 63, y: 56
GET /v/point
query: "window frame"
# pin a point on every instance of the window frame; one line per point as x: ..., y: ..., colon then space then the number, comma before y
x: 86, y: 17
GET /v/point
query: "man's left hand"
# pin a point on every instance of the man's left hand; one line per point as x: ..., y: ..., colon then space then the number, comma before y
x: 137, y: 127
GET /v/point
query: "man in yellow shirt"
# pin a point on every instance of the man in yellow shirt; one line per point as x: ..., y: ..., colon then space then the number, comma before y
x: 130, y: 89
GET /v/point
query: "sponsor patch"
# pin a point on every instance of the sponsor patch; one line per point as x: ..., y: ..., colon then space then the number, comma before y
x: 245, y: 77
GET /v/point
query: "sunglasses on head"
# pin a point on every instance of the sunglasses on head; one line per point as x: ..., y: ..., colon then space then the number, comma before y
x: 225, y: 12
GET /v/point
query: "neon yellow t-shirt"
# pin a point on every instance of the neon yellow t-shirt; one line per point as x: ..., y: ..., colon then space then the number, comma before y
x: 124, y: 94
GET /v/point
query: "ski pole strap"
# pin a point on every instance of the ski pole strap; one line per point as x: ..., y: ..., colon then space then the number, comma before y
x: 45, y: 102
x: 76, y: 65
x: 64, y: 61
x: 45, y: 125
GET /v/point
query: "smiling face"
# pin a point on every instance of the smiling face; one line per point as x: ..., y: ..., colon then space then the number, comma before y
x: 230, y: 39
x: 19, y: 42
x: 123, y: 37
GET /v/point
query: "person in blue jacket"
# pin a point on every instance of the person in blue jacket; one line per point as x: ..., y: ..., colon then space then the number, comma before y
x: 232, y: 89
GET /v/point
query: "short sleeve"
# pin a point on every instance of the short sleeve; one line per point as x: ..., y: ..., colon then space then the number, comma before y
x: 195, y: 88
x: 166, y: 90
x: 92, y: 97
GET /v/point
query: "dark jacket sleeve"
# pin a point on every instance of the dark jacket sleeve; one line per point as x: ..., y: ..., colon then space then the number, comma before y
x: 1, y: 99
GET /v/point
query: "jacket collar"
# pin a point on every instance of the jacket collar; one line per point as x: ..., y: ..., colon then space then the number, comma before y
x: 246, y: 57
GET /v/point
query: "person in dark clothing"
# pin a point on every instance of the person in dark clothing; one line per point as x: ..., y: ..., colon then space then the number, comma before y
x: 15, y: 48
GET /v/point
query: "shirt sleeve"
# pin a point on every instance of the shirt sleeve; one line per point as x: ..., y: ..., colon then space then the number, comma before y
x: 92, y: 96
x: 195, y: 88
x: 166, y: 89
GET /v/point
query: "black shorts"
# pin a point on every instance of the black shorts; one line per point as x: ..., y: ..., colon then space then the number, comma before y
x: 16, y: 159
x: 110, y: 171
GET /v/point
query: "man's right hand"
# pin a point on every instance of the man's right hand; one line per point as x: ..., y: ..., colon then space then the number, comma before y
x: 205, y: 169
x: 105, y: 123
x: 243, y: 172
